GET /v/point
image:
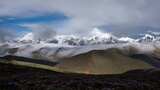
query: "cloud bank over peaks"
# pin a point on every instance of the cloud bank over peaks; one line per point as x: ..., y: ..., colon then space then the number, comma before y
x: 96, y: 36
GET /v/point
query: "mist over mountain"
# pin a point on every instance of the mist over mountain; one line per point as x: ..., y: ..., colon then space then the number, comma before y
x: 96, y: 36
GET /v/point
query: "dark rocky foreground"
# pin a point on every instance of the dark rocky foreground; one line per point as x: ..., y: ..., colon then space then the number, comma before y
x: 24, y: 78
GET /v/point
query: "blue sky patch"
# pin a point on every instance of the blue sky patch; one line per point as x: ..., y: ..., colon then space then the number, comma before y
x: 35, y: 19
x: 14, y: 23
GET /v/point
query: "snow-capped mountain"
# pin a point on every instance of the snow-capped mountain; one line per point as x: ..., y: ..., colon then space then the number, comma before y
x: 98, y: 37
x: 97, y: 33
x: 126, y: 39
x: 150, y: 37
x: 95, y: 37
x: 70, y: 45
x: 29, y: 37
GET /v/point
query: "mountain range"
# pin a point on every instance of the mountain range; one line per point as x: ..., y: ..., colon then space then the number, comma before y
x: 70, y: 45
x: 95, y: 37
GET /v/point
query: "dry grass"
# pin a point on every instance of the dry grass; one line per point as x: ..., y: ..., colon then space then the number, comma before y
x: 111, y: 61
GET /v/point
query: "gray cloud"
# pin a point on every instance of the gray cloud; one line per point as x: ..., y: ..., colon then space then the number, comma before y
x: 86, y: 14
x: 6, y: 35
x: 41, y: 31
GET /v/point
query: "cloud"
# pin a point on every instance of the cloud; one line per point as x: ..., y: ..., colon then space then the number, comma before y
x: 41, y: 31
x: 6, y: 35
x: 87, y: 14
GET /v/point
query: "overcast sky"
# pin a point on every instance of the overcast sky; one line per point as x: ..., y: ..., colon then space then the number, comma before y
x: 79, y: 16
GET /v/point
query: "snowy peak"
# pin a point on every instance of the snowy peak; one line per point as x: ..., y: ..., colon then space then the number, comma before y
x: 99, y: 37
x: 127, y: 39
x: 150, y: 37
x: 29, y: 37
x: 97, y: 33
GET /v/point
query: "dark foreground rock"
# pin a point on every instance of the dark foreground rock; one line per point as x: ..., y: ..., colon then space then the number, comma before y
x: 24, y: 78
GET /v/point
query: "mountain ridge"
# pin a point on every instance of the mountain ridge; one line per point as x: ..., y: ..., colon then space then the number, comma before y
x: 95, y: 37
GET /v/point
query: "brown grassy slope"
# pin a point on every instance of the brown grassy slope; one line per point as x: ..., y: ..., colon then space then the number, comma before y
x: 111, y: 61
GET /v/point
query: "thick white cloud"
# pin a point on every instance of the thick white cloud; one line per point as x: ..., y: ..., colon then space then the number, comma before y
x: 86, y: 14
